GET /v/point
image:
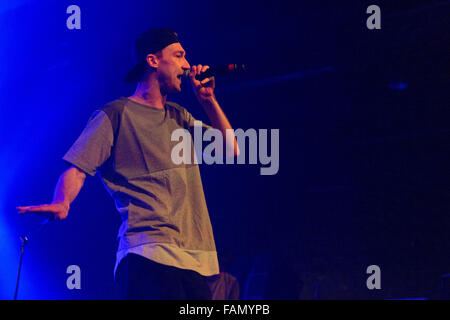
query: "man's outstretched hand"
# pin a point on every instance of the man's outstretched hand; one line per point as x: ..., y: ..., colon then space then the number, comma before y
x: 54, y: 210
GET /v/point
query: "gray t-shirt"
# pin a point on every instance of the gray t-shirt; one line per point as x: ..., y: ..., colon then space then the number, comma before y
x: 162, y: 204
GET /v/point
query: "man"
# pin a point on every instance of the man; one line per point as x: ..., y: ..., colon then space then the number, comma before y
x: 166, y: 245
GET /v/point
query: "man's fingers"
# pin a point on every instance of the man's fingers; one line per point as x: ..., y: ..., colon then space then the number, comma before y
x: 206, y: 80
x: 193, y: 72
x: 201, y: 68
x: 41, y: 208
x: 36, y: 208
x: 198, y: 69
x: 24, y: 209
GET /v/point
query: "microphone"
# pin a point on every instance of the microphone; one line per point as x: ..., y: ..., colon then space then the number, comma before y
x: 214, y: 71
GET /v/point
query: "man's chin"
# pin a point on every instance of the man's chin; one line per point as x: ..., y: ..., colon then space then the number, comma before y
x: 177, y: 88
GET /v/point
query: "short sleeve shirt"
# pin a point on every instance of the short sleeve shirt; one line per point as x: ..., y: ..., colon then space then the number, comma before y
x: 162, y: 204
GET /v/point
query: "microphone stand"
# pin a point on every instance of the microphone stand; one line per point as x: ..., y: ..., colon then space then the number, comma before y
x: 24, y: 241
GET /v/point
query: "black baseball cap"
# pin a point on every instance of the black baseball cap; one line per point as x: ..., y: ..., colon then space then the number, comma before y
x: 151, y: 41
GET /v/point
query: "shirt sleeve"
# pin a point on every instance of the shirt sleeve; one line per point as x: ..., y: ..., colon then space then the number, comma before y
x: 93, y: 146
x: 191, y: 122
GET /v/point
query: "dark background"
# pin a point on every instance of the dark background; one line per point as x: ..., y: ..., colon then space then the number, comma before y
x: 364, y: 141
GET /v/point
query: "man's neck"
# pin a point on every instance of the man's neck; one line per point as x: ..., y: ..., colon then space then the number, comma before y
x: 149, y: 95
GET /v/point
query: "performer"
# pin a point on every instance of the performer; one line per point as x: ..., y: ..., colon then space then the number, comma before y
x: 166, y: 246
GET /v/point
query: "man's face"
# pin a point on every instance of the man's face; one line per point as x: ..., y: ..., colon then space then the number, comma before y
x: 172, y: 64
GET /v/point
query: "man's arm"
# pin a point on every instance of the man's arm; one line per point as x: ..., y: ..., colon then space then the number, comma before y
x: 69, y: 185
x: 204, y: 90
x: 219, y: 121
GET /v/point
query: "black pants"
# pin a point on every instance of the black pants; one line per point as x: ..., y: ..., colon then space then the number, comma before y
x: 142, y: 279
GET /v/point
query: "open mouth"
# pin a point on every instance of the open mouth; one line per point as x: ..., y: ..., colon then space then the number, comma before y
x: 183, y: 74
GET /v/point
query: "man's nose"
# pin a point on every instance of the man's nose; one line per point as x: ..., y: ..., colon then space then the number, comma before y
x: 187, y: 66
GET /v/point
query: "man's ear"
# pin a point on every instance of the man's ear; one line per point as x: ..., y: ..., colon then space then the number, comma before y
x: 152, y: 60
